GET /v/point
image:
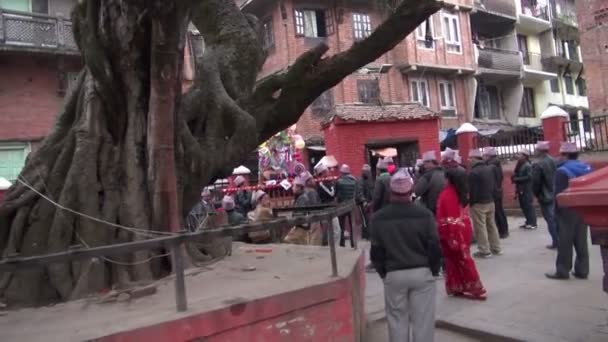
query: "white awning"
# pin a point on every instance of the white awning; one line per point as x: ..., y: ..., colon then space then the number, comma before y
x: 385, y: 152
x: 241, y: 170
x: 316, y: 148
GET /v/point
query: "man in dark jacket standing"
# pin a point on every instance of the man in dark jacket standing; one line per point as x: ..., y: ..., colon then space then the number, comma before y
x: 431, y: 183
x: 481, y: 185
x: 543, y: 175
x: 406, y: 253
x: 500, y: 217
x: 522, y: 177
x: 346, y: 191
x: 243, y: 197
x: 572, y: 229
x: 326, y: 188
x: 382, y: 191
x: 366, y: 191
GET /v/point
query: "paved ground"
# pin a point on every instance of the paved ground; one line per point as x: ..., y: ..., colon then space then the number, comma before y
x: 522, y: 303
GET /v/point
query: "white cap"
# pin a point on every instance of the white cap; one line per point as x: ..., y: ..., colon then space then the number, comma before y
x: 345, y: 169
x: 239, y: 180
x: 449, y: 153
x: 429, y: 156
x: 475, y: 153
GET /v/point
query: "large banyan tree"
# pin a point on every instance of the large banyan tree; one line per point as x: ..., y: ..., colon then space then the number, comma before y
x: 130, y: 149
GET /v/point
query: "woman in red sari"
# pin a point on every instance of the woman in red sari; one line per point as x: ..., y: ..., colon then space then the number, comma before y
x: 455, y: 234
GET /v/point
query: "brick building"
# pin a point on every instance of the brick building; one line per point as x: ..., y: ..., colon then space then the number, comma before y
x: 38, y: 62
x: 593, y: 22
x: 433, y: 66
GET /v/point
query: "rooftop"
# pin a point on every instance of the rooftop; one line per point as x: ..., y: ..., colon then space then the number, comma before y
x: 391, y: 112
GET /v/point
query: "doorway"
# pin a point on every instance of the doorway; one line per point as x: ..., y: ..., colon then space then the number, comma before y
x: 406, y: 153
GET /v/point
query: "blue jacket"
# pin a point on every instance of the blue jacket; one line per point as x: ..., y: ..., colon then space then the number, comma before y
x: 568, y: 170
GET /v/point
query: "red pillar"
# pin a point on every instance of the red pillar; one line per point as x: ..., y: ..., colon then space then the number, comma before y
x: 466, y: 136
x: 554, y: 119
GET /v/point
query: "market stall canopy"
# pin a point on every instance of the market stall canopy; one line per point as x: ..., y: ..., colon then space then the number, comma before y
x: 385, y: 152
x: 4, y: 184
x: 241, y: 170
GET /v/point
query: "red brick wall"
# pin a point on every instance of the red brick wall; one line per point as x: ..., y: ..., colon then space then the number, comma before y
x: 594, y: 46
x: 29, y: 96
x: 346, y: 141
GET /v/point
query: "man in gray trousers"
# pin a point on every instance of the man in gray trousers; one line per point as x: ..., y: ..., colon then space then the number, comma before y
x: 406, y: 254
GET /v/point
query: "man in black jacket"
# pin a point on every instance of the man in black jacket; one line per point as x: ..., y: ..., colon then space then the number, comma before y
x: 481, y: 185
x: 406, y: 253
x: 431, y: 183
x: 543, y: 176
x: 522, y: 177
x: 500, y: 217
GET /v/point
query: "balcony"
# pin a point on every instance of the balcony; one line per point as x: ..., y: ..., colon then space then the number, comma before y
x: 494, y: 17
x: 32, y: 32
x: 497, y: 64
x: 565, y: 58
x: 534, y: 19
x: 536, y: 68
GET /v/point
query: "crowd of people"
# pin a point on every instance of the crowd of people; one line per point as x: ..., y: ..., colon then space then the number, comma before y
x: 412, y: 242
x: 424, y: 220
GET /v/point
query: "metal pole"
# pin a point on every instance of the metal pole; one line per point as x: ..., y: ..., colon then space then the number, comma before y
x: 180, y: 285
x: 332, y: 249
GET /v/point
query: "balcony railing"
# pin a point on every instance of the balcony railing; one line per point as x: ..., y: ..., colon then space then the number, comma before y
x: 540, y: 12
x: 504, y: 7
x: 535, y: 61
x: 505, y: 60
x: 36, y: 31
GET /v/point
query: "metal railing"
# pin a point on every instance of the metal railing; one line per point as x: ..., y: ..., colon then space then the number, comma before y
x: 176, y: 243
x: 509, y: 143
x: 590, y: 133
x: 505, y: 7
x: 540, y: 12
x: 498, y: 59
x: 25, y: 29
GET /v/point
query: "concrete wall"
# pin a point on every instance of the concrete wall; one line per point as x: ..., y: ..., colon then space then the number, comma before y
x: 329, y: 312
x: 61, y: 7
x: 512, y: 93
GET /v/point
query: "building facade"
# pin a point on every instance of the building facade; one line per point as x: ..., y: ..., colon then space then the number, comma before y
x: 593, y: 25
x: 39, y: 61
x: 497, y: 63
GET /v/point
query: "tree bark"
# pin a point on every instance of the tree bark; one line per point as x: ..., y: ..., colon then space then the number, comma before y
x: 128, y: 149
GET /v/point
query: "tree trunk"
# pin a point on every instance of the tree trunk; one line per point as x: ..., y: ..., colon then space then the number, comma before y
x: 128, y: 150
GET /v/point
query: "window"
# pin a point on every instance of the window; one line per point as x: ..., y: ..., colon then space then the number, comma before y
x: 447, y: 98
x: 569, y: 84
x: 581, y: 85
x: 362, y: 26
x: 555, y: 85
x: 522, y: 42
x: 420, y: 92
x: 488, y: 103
x: 369, y: 91
x: 451, y: 32
x: 527, y: 104
x: 267, y: 34
x: 323, y: 104
x: 40, y: 6
x: 314, y: 23
x: 425, y: 34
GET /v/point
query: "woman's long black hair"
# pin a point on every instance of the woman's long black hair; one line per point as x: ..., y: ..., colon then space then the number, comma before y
x: 458, y: 178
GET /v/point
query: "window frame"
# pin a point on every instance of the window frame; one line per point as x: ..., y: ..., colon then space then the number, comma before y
x: 569, y: 84
x: 555, y: 82
x: 443, y: 95
x: 581, y: 86
x: 363, y: 26
x: 300, y: 22
x: 420, y: 34
x: 456, y: 40
x: 529, y: 101
x: 419, y: 82
x: 364, y: 83
x: 270, y: 44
